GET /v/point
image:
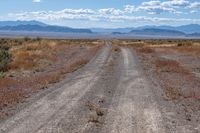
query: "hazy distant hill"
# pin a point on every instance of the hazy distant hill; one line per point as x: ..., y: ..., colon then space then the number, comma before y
x: 16, y: 23
x: 112, y: 30
x: 47, y: 28
x: 194, y: 35
x: 191, y: 28
x: 159, y: 32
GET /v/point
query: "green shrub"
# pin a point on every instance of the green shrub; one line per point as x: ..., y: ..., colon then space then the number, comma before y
x: 4, y: 47
x: 26, y: 39
x: 2, y: 74
x: 4, y: 59
x: 180, y: 44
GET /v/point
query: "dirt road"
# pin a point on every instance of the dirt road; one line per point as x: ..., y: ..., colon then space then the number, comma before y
x: 108, y: 95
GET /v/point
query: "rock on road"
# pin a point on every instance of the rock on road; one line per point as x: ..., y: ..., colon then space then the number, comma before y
x: 109, y: 95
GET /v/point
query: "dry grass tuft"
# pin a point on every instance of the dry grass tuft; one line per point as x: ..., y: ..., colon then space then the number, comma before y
x: 172, y: 92
x: 170, y: 66
x: 36, y: 63
x: 146, y: 50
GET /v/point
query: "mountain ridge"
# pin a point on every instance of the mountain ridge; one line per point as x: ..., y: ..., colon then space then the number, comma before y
x: 163, y: 30
x: 48, y: 28
x: 19, y: 22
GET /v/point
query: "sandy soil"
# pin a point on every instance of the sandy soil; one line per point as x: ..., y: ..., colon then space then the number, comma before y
x: 16, y: 90
x: 111, y: 94
x: 177, y: 86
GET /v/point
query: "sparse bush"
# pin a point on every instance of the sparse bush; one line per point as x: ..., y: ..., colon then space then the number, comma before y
x: 2, y: 74
x: 170, y: 66
x: 37, y: 39
x: 184, y: 44
x: 4, y: 47
x: 4, y: 59
x: 146, y: 50
x: 27, y: 39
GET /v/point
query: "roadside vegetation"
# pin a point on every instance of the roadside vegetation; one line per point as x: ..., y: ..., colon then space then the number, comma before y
x: 5, y: 58
x: 172, y: 61
x: 28, y: 65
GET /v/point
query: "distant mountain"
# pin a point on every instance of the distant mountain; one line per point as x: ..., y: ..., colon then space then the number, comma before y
x: 157, y: 32
x: 16, y: 23
x: 112, y: 30
x: 46, y: 28
x: 191, y: 28
x: 188, y: 29
x: 118, y: 33
x: 194, y: 35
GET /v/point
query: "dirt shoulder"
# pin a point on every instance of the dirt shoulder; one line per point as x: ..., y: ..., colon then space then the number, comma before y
x: 37, y: 65
x: 47, y: 113
x: 172, y: 70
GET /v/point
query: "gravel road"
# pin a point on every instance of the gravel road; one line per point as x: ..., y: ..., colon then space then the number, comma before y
x: 108, y: 95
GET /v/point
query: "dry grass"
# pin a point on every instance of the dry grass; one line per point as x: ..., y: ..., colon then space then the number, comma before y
x: 170, y: 66
x: 37, y: 63
x: 146, y: 50
x: 192, y: 50
x: 173, y: 76
x: 172, y: 92
x: 96, y: 112
x: 29, y: 56
x: 116, y: 48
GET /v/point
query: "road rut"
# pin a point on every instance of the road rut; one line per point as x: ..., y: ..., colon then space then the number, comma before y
x: 108, y: 95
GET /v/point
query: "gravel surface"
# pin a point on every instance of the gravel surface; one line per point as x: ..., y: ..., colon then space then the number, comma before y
x: 109, y: 95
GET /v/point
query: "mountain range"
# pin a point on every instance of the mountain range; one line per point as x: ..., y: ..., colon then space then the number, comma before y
x: 187, y: 29
x: 16, y: 23
x: 191, y: 30
x: 47, y: 28
x: 36, y: 26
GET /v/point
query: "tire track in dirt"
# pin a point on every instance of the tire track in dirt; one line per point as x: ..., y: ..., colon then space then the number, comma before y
x: 88, y: 114
x: 44, y: 109
x: 109, y: 95
x: 133, y: 107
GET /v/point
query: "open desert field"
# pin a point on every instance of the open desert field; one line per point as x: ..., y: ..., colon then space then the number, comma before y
x: 103, y: 86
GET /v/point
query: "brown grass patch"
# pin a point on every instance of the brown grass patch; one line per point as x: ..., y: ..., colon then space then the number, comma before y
x: 63, y: 56
x: 172, y: 92
x: 193, y: 50
x: 165, y: 65
x: 116, y: 49
x: 146, y: 50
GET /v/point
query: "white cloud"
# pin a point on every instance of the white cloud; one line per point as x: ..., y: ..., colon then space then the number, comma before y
x: 158, y: 7
x: 130, y: 9
x: 109, y: 11
x: 125, y: 14
x: 151, y: 3
x: 36, y: 1
x: 105, y: 15
x: 195, y: 7
x: 176, y: 3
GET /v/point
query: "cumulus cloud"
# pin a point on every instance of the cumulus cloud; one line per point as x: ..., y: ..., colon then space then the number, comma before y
x: 36, y: 1
x: 158, y: 7
x: 176, y: 3
x: 151, y: 3
x: 130, y: 9
x: 109, y: 11
x: 93, y: 15
x: 124, y: 14
x: 195, y: 7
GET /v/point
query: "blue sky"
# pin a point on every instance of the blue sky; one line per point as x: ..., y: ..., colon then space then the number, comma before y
x: 103, y: 13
